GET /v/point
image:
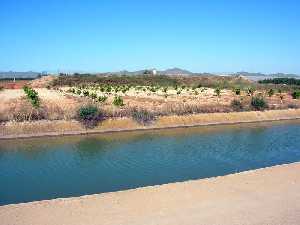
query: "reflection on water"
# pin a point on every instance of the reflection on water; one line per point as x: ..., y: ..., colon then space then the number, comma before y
x: 46, y: 168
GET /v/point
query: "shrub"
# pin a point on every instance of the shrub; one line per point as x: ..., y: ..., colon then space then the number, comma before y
x: 186, y: 109
x: 271, y: 92
x: 89, y: 115
x: 93, y: 95
x: 1, y: 88
x: 142, y: 116
x: 259, y: 103
x: 218, y: 91
x: 108, y: 89
x: 102, y: 98
x: 32, y: 95
x: 237, y: 105
x: 71, y: 90
x: 296, y: 94
x: 152, y: 89
x: 237, y: 91
x: 251, y: 91
x: 78, y: 92
x: 118, y: 101
x: 86, y: 93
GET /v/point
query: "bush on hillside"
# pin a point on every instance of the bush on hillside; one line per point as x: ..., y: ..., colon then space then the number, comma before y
x: 271, y: 92
x: 78, y: 92
x: 32, y: 95
x: 142, y: 116
x: 102, y: 98
x: 93, y: 95
x: 296, y: 94
x: 118, y: 101
x: 237, y: 91
x: 259, y: 103
x: 218, y: 91
x: 86, y: 93
x: 251, y: 91
x: 237, y: 105
x: 89, y: 115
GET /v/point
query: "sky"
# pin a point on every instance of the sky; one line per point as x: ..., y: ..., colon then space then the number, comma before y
x: 111, y: 35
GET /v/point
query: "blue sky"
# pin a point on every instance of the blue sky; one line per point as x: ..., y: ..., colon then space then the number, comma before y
x: 111, y: 35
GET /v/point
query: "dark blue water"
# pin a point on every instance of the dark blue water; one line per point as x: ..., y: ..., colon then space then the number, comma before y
x: 47, y: 168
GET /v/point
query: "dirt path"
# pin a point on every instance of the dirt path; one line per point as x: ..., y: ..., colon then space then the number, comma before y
x: 267, y: 196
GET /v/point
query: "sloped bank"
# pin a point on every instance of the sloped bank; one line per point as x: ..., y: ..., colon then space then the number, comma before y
x: 12, y: 130
x: 263, y: 196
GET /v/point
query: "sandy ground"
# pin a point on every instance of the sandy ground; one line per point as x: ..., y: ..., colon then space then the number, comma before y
x: 146, y: 99
x: 267, y: 196
x: 58, y: 104
x: 45, y: 94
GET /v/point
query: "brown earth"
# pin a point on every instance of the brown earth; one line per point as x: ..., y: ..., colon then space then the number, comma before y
x: 10, y: 84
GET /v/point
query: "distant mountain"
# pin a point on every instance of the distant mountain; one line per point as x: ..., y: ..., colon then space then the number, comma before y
x: 176, y: 71
x: 173, y: 71
x: 289, y: 75
x: 247, y: 74
x: 261, y: 76
x: 12, y: 74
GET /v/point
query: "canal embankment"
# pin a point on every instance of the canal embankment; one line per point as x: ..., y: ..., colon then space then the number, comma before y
x: 42, y: 128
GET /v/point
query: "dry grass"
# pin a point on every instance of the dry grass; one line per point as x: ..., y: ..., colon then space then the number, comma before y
x: 54, y: 106
x: 121, y: 124
x: 60, y: 105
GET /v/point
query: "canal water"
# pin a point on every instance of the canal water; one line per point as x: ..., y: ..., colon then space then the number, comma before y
x: 47, y: 168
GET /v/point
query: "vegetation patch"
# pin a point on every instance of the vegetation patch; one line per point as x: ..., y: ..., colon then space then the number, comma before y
x: 259, y: 103
x: 102, y: 98
x: 142, y: 116
x: 90, y: 115
x: 287, y: 81
x: 237, y: 105
x: 271, y: 92
x: 296, y: 94
x: 118, y: 101
x: 237, y: 91
x: 32, y: 95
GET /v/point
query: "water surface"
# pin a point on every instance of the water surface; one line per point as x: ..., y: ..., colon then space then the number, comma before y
x: 47, y: 168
